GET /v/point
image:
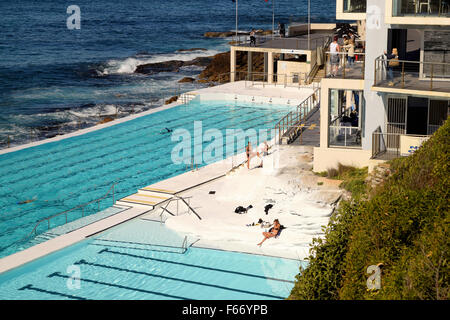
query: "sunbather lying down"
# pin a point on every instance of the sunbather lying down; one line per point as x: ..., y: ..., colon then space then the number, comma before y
x: 273, y: 232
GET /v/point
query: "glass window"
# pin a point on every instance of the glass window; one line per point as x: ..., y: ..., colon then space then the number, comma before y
x: 345, y: 121
x: 355, y: 6
x: 439, y: 8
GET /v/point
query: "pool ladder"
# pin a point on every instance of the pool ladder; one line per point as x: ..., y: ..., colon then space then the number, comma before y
x: 81, y: 206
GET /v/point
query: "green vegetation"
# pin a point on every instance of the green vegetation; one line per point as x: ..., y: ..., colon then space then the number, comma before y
x: 353, y: 178
x: 401, y: 225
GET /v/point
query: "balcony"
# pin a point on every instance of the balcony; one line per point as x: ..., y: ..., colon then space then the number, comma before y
x: 341, y: 66
x: 418, y: 12
x: 388, y: 146
x: 414, y: 77
x: 293, y: 43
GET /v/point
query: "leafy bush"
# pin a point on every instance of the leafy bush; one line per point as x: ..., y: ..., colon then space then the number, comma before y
x: 403, y: 226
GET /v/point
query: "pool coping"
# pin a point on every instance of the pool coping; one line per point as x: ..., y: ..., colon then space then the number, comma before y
x: 90, y: 129
x: 43, y: 249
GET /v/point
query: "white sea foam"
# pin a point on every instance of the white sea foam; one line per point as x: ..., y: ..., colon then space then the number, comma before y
x: 129, y: 65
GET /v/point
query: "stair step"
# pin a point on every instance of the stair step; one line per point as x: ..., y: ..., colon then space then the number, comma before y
x: 153, y: 196
x: 135, y: 204
x: 158, y: 190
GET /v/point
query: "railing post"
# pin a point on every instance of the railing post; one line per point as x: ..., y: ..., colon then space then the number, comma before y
x: 431, y: 80
x: 403, y: 74
x: 343, y: 57
x: 375, y: 75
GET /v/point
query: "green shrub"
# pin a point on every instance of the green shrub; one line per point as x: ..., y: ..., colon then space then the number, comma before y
x: 404, y: 226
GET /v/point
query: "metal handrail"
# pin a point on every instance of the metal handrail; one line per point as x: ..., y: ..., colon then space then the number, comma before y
x: 184, y: 244
x: 179, y: 198
x: 111, y: 189
x: 252, y: 77
x: 302, y: 112
x: 381, y: 64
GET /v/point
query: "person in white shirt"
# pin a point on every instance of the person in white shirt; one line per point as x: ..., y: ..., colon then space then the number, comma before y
x: 334, y: 56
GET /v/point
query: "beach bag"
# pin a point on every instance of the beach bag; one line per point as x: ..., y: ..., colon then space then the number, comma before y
x: 394, y: 62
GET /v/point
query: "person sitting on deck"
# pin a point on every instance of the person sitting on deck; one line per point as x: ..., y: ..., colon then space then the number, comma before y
x: 262, y: 150
x: 273, y: 232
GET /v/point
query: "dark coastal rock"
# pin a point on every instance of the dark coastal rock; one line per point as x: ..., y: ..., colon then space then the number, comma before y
x: 219, y: 34
x: 219, y: 68
x: 200, y: 61
x: 105, y: 120
x: 172, y: 65
x: 173, y: 99
x: 186, y: 79
x: 166, y: 66
x: 192, y: 49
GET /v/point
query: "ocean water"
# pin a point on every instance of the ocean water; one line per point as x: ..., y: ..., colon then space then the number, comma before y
x: 52, y: 79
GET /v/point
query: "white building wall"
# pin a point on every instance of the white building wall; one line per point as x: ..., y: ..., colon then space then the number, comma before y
x: 376, y: 43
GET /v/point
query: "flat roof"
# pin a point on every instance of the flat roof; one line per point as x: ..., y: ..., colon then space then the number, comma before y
x: 317, y: 39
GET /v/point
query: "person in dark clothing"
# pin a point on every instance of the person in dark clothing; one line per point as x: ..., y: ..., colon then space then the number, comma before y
x: 252, y: 38
x: 281, y: 29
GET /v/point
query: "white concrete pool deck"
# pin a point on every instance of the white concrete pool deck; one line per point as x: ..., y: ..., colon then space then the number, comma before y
x: 300, y: 204
x: 220, y: 227
x: 244, y: 90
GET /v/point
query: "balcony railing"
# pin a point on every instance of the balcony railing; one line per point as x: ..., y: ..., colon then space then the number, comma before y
x: 269, y: 41
x: 388, y: 146
x: 420, y: 8
x: 344, y: 136
x: 412, y: 75
x: 355, y: 6
x: 340, y: 65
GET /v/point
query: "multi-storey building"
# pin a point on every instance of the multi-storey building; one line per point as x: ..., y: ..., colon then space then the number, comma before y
x: 376, y: 108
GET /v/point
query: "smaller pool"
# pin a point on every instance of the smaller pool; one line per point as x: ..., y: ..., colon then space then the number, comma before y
x: 143, y: 259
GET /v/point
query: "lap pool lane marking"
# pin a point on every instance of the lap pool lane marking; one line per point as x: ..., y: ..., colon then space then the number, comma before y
x: 194, y: 266
x: 106, y: 250
x: 84, y: 262
x: 54, y: 293
x: 58, y: 274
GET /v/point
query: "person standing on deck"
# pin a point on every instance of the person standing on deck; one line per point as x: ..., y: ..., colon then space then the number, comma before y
x: 248, y: 151
x: 334, y: 56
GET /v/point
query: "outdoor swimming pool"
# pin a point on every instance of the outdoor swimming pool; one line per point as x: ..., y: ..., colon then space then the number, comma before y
x: 143, y: 259
x: 44, y: 180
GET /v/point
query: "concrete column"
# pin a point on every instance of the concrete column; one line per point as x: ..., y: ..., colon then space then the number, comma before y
x: 373, y: 113
x: 249, y: 64
x: 265, y: 62
x: 232, y: 65
x: 270, y: 66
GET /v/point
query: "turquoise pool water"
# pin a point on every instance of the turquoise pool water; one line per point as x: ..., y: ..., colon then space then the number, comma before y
x: 143, y: 260
x: 41, y: 181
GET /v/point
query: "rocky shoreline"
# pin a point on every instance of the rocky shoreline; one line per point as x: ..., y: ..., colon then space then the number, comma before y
x: 216, y: 68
